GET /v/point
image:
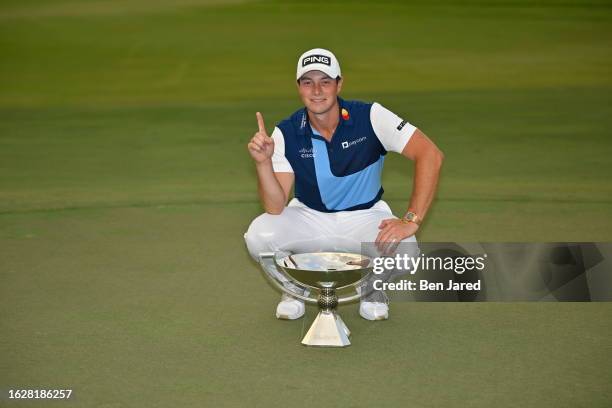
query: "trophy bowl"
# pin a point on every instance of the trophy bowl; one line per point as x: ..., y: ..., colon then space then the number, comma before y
x: 315, y: 278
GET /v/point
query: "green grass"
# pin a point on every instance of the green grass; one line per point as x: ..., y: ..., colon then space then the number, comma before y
x: 125, y: 188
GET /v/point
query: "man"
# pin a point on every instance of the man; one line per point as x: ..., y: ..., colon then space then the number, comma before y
x: 333, y: 151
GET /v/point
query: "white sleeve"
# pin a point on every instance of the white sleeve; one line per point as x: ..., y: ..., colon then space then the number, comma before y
x: 392, y: 131
x: 280, y: 164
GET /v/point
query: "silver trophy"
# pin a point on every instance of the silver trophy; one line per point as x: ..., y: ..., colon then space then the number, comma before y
x: 320, y: 274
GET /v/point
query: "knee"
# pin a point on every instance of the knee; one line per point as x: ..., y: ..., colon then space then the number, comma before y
x: 410, y: 247
x: 260, y: 235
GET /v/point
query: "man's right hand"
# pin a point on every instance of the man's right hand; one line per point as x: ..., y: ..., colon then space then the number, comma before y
x: 261, y: 146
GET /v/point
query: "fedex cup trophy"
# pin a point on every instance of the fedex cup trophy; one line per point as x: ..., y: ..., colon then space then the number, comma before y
x: 322, y: 274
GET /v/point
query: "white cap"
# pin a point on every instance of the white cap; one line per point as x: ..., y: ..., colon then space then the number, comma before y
x: 318, y: 59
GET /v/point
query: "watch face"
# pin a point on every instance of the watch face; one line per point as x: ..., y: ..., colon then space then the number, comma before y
x: 409, y: 215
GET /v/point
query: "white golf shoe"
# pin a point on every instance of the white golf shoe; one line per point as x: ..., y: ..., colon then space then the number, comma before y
x: 375, y: 306
x: 290, y: 308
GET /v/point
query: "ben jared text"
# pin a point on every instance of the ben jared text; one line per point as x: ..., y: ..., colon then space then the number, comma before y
x: 424, y: 285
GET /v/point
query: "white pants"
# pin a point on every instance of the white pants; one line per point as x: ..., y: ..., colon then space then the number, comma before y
x: 300, y: 229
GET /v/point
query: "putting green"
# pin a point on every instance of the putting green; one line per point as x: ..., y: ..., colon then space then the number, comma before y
x: 125, y: 188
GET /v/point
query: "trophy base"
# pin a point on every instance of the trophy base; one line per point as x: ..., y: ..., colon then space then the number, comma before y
x: 327, y: 330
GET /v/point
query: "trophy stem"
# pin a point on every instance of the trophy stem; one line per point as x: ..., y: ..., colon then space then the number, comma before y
x: 327, y: 299
x: 328, y: 328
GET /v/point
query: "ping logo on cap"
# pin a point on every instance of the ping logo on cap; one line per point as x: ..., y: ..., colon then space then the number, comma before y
x: 316, y: 59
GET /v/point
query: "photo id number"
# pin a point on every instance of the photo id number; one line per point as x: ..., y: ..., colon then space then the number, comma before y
x: 39, y: 394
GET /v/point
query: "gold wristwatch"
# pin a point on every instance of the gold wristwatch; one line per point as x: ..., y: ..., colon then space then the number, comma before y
x: 411, y: 217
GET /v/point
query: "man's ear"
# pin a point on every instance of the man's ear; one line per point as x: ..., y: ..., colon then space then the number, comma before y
x: 340, y: 85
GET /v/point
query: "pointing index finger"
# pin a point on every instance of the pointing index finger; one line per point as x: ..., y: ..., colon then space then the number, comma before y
x: 260, y: 122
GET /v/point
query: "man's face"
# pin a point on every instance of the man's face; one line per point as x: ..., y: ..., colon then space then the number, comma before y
x: 318, y: 91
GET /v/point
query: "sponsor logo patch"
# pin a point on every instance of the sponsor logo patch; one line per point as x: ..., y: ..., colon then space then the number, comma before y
x: 306, y: 153
x: 401, y: 125
x: 316, y: 59
x: 346, y: 145
x: 345, y: 114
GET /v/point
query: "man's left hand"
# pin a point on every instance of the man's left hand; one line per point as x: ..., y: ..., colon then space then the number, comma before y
x: 392, y: 232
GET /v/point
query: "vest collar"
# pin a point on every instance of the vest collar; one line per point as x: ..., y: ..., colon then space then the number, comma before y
x: 345, y: 114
